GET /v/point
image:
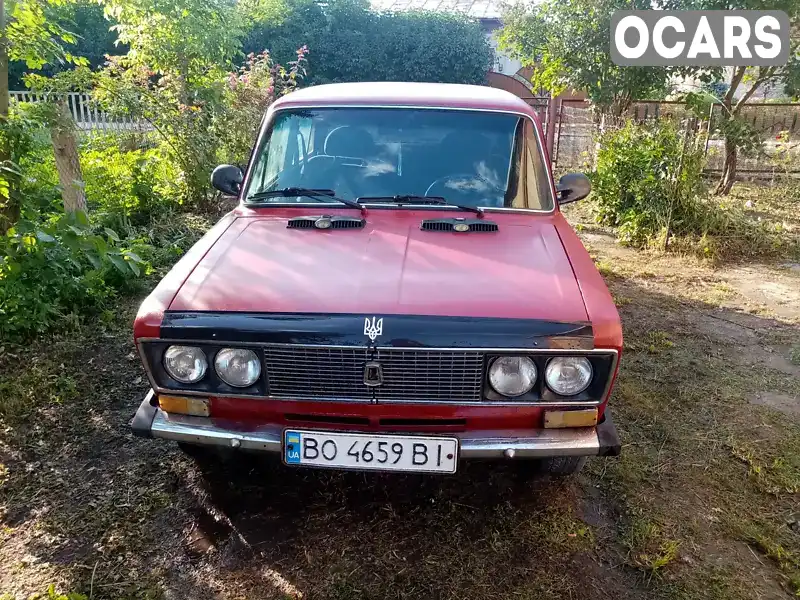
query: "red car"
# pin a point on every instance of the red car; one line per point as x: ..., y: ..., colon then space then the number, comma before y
x: 396, y: 290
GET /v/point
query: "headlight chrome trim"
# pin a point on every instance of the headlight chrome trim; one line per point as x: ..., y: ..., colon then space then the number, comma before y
x: 528, y: 363
x: 552, y: 361
x: 147, y: 347
x: 201, y: 364
x: 223, y: 353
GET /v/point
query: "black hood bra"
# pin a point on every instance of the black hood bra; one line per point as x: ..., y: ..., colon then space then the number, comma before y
x: 396, y: 331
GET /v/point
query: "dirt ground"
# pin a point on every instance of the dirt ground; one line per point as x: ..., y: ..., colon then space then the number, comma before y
x: 703, y: 503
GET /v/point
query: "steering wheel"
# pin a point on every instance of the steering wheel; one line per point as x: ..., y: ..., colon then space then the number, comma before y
x: 452, y: 176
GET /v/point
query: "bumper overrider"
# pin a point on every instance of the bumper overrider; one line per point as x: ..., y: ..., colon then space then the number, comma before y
x: 602, y: 440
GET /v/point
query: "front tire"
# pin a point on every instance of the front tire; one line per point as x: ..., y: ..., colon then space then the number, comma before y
x: 562, y: 466
x: 206, y: 457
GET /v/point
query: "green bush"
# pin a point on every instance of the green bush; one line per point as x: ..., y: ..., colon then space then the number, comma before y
x: 649, y: 184
x: 126, y: 189
x: 21, y: 136
x: 39, y: 187
x: 198, y: 126
x: 55, y: 268
x: 50, y: 594
x: 649, y: 177
x: 59, y: 267
x: 348, y: 41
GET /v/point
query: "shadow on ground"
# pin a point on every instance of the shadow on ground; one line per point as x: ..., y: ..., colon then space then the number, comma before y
x: 94, y: 510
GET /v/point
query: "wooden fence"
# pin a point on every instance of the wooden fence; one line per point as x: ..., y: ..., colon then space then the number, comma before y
x: 86, y: 113
x: 778, y: 124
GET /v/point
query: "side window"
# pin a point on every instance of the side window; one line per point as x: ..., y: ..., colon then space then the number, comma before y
x: 305, y: 137
x: 536, y: 178
x: 278, y: 155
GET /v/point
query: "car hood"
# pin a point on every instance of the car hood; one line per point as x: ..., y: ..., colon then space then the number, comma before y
x: 388, y: 267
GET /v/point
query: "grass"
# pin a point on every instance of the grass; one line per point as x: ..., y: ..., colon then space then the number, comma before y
x: 50, y: 594
x: 702, y: 459
x: 756, y: 221
x: 794, y: 355
x: 702, y: 503
x: 41, y: 382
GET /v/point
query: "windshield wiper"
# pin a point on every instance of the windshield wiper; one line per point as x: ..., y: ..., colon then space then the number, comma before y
x: 291, y: 192
x: 412, y: 199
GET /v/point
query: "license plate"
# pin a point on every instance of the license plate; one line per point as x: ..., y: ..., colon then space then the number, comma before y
x: 370, y: 452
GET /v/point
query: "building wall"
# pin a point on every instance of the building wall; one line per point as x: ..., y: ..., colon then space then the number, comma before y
x: 502, y: 63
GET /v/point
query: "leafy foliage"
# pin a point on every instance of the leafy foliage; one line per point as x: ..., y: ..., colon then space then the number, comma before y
x: 181, y: 115
x: 35, y: 33
x: 248, y: 94
x: 747, y: 138
x: 211, y: 120
x: 746, y: 81
x: 566, y: 43
x: 17, y: 138
x: 91, y: 41
x: 350, y: 42
x: 648, y: 177
x: 183, y: 38
x: 30, y: 35
x: 649, y: 185
x: 128, y: 188
x: 178, y: 76
x: 54, y: 268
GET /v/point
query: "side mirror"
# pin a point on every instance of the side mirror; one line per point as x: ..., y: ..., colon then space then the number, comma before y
x: 227, y: 179
x: 573, y: 187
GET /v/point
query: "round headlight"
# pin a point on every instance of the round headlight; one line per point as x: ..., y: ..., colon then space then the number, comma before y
x: 512, y: 375
x: 238, y: 367
x: 568, y: 375
x: 186, y: 364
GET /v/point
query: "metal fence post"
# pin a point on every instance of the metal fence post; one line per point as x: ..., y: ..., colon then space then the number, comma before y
x: 553, y: 105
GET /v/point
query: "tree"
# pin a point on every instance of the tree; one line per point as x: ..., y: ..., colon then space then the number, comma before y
x: 179, y: 51
x: 745, y: 82
x: 93, y: 40
x: 566, y: 44
x: 181, y: 38
x: 348, y: 41
x: 27, y: 33
x: 54, y: 114
x: 178, y: 76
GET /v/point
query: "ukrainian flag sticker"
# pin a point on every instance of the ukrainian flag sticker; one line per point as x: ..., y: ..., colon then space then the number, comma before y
x: 292, y: 447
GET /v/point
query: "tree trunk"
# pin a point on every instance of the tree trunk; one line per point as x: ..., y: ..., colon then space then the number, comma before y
x: 9, y: 204
x: 65, y: 147
x: 728, y: 169
x: 3, y: 63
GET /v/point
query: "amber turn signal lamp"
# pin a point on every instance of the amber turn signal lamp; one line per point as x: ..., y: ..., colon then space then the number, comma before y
x: 557, y: 419
x: 182, y: 405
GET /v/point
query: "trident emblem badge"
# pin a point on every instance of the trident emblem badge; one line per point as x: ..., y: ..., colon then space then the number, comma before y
x: 373, y: 328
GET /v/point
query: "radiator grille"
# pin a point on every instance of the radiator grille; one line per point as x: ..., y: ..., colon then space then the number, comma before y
x: 322, y: 373
x: 317, y: 372
x: 430, y: 375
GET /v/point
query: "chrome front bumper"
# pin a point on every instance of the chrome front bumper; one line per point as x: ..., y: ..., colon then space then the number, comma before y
x: 150, y: 421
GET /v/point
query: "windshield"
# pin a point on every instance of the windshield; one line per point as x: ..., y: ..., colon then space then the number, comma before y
x: 475, y: 159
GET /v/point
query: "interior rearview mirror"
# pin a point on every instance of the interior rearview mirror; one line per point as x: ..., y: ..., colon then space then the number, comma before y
x: 227, y: 179
x: 572, y: 187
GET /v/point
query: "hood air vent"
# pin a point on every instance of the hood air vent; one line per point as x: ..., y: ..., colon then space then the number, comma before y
x: 325, y: 222
x: 458, y: 225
